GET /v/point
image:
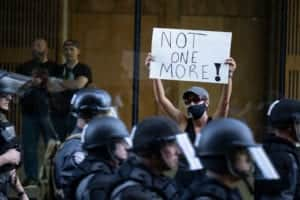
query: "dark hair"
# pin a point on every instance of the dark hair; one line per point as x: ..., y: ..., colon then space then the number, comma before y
x: 74, y: 43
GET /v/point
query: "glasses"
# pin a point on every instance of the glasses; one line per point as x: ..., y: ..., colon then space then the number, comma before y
x: 193, y: 98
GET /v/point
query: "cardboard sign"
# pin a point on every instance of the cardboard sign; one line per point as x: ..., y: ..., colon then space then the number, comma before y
x: 190, y: 55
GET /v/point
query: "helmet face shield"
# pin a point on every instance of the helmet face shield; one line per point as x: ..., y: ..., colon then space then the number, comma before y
x: 188, y: 152
x: 264, y: 167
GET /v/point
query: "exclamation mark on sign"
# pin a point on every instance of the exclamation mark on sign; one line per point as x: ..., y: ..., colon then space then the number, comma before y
x: 218, y: 66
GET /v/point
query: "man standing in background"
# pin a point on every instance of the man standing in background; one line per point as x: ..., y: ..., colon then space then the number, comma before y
x: 73, y: 76
x: 35, y: 107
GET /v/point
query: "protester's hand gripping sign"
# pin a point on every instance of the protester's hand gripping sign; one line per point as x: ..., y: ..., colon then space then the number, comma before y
x: 190, y: 55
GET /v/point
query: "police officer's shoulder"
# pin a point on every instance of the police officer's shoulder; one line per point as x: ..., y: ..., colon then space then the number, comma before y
x: 70, y: 139
x: 78, y: 157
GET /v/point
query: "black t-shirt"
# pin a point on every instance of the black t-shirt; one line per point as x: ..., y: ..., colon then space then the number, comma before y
x: 35, y: 100
x: 60, y: 101
x: 28, y: 67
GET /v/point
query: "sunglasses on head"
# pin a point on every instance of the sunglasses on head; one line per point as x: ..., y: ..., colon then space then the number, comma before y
x: 193, y: 98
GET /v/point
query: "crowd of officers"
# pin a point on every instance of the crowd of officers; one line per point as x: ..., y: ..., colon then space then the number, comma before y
x: 187, y: 155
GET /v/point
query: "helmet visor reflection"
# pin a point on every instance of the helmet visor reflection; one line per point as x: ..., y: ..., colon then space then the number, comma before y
x: 264, y: 166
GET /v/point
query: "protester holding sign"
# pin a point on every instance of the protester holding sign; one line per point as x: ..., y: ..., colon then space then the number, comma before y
x: 196, y: 99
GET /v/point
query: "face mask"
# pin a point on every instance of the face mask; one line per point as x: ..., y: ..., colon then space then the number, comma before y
x: 197, y: 111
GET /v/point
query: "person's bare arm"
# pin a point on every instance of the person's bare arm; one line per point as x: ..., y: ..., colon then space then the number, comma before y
x: 12, y: 156
x: 162, y: 100
x: 224, y: 102
x: 59, y: 85
x: 17, y: 185
x: 54, y: 85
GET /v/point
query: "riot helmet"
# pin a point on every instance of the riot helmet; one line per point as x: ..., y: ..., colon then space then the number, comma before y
x: 153, y: 134
x: 102, y: 135
x: 284, y: 114
x: 222, y: 143
x: 12, y: 83
x: 89, y: 102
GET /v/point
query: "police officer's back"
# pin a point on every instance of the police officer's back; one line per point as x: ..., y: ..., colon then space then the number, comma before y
x: 224, y: 150
x: 280, y: 145
x: 85, y: 104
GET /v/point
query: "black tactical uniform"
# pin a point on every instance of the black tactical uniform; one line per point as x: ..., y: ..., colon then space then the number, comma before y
x: 85, y: 104
x: 7, y: 141
x: 134, y: 180
x: 99, y: 141
x: 10, y: 84
x: 283, y: 115
x: 220, y: 143
x: 211, y: 189
x: 138, y: 178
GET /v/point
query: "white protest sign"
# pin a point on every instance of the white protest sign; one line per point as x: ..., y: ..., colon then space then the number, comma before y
x: 190, y: 55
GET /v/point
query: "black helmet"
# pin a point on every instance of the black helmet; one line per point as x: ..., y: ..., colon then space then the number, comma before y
x: 222, y: 139
x: 152, y: 131
x: 283, y: 113
x: 89, y: 102
x: 102, y: 131
x: 218, y: 139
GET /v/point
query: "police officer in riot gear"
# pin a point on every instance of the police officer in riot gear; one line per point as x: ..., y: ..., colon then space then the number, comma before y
x: 10, y: 84
x: 157, y: 149
x: 142, y: 176
x: 104, y: 141
x: 228, y: 152
x: 86, y: 104
x: 284, y: 117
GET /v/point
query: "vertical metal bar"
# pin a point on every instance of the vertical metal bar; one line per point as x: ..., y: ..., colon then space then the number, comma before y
x: 8, y: 25
x: 62, y: 27
x: 24, y: 19
x: 136, y: 61
x: 283, y: 45
x: 5, y: 23
x: 290, y: 84
x: 298, y: 85
x: 2, y: 22
x: 297, y: 28
x: 17, y: 41
x: 47, y: 21
x: 294, y: 30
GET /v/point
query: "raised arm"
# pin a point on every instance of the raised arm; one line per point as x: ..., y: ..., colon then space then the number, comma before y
x: 162, y: 100
x: 224, y: 102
